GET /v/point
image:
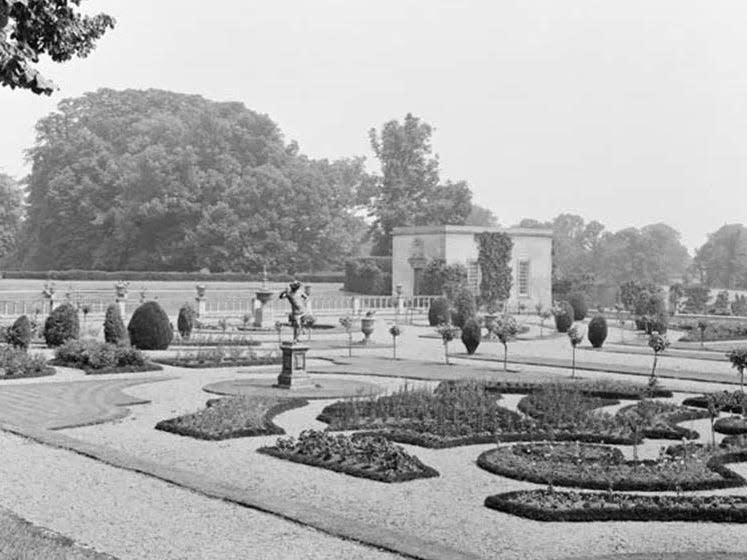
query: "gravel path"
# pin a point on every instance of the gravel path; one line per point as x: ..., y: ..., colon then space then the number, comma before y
x: 133, y: 516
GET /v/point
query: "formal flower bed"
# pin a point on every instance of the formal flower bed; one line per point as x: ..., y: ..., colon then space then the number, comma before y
x: 598, y: 467
x: 659, y: 419
x: 370, y: 457
x: 219, y: 356
x: 727, y: 401
x: 733, y: 425
x: 96, y: 357
x: 215, y: 340
x: 232, y: 417
x: 560, y: 405
x: 715, y: 330
x: 549, y: 505
x: 466, y: 414
x: 601, y: 388
x: 16, y: 363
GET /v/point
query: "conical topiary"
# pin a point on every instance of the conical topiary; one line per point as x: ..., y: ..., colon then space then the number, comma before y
x: 114, y: 327
x: 150, y: 328
x: 61, y: 325
x: 597, y: 331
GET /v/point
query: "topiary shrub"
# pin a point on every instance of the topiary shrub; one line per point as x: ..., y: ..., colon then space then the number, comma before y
x: 464, y: 308
x: 19, y: 333
x: 578, y: 303
x: 186, y: 320
x: 114, y: 327
x: 439, y: 312
x: 563, y: 316
x: 61, y: 325
x: 597, y: 331
x: 471, y: 335
x: 150, y: 328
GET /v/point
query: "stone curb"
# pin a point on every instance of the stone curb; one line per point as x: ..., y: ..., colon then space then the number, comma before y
x: 303, y: 514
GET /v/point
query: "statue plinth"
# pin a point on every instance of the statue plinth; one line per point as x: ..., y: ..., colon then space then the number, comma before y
x: 293, y: 375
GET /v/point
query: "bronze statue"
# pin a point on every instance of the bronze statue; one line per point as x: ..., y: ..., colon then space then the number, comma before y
x: 297, y: 299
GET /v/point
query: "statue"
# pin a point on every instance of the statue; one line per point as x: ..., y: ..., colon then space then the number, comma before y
x: 297, y: 300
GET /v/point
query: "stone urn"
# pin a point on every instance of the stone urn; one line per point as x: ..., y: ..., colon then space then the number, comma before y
x: 263, y: 296
x: 201, y: 288
x: 367, y: 327
x: 120, y: 289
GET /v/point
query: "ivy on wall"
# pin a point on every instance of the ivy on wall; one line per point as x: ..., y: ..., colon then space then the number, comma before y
x: 493, y: 258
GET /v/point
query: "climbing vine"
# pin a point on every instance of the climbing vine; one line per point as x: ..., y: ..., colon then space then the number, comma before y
x: 494, y: 258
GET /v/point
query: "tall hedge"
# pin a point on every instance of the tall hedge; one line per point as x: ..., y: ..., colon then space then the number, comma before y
x: 439, y: 312
x: 185, y: 322
x: 19, y: 333
x: 494, y: 256
x: 471, y: 335
x: 563, y: 317
x: 368, y: 276
x: 149, y: 327
x: 114, y: 327
x: 61, y: 325
x: 578, y: 303
x: 464, y: 307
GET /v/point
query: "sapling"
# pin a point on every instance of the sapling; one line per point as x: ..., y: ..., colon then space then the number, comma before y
x: 395, y: 331
x: 714, y: 409
x: 658, y: 344
x: 505, y: 328
x: 575, y: 336
x: 702, y: 326
x: 347, y: 324
x: 738, y: 358
x: 448, y: 333
x: 544, y: 315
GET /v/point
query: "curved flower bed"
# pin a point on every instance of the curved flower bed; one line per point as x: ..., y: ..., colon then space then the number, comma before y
x: 232, y: 417
x: 728, y: 401
x: 16, y: 364
x: 601, y: 468
x: 600, y: 388
x: 98, y: 358
x: 548, y: 505
x: 663, y: 419
x: 204, y: 363
x: 732, y: 425
x: 561, y: 408
x: 369, y: 457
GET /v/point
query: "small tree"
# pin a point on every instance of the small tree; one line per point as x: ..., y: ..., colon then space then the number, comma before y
x: 637, y: 418
x: 658, y: 344
x: 738, y: 358
x: 702, y: 326
x: 395, y: 331
x: 715, y: 404
x: 575, y: 336
x: 505, y: 328
x: 544, y: 315
x: 448, y: 333
x: 347, y: 324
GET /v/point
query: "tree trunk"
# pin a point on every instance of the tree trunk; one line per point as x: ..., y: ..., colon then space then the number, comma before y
x: 446, y: 352
x: 350, y: 344
x: 394, y: 347
x: 653, y: 369
x: 505, y: 357
x: 573, y: 364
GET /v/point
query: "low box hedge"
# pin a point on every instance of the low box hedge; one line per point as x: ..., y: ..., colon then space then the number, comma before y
x: 733, y: 425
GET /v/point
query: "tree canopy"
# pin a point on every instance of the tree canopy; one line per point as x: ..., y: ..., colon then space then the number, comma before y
x: 30, y: 28
x: 722, y: 260
x: 135, y: 180
x: 11, y: 214
x: 409, y: 191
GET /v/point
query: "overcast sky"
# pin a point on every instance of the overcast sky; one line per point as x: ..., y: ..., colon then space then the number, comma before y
x: 625, y: 111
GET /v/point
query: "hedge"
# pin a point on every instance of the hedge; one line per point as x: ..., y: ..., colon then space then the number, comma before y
x: 585, y: 507
x: 155, y: 276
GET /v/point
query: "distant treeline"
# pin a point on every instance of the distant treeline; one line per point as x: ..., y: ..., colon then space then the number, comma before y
x: 135, y: 276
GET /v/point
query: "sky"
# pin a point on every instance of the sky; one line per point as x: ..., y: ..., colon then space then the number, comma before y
x: 629, y: 112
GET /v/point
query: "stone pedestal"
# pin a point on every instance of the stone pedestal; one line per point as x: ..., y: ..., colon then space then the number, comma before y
x: 293, y: 375
x: 262, y: 316
x: 122, y: 304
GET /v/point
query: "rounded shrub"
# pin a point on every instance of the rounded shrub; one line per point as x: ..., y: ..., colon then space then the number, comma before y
x: 597, y: 332
x: 114, y: 327
x: 464, y: 307
x: 471, y: 335
x: 439, y: 312
x: 19, y: 333
x: 563, y: 317
x: 150, y: 328
x: 185, y: 322
x: 61, y: 325
x: 578, y: 303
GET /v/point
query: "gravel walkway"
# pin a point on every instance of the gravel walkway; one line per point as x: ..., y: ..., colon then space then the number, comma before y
x: 133, y: 516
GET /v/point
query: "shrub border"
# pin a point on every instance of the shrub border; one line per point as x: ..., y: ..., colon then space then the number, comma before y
x: 730, y: 479
x: 46, y: 372
x: 204, y: 365
x: 424, y: 472
x: 169, y: 425
x: 507, y: 503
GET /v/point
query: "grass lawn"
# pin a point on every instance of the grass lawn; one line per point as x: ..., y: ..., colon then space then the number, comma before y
x: 20, y: 540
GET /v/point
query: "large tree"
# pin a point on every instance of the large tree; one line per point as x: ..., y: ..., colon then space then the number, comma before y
x: 409, y: 192
x: 722, y: 260
x: 31, y: 28
x: 11, y: 214
x: 164, y: 181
